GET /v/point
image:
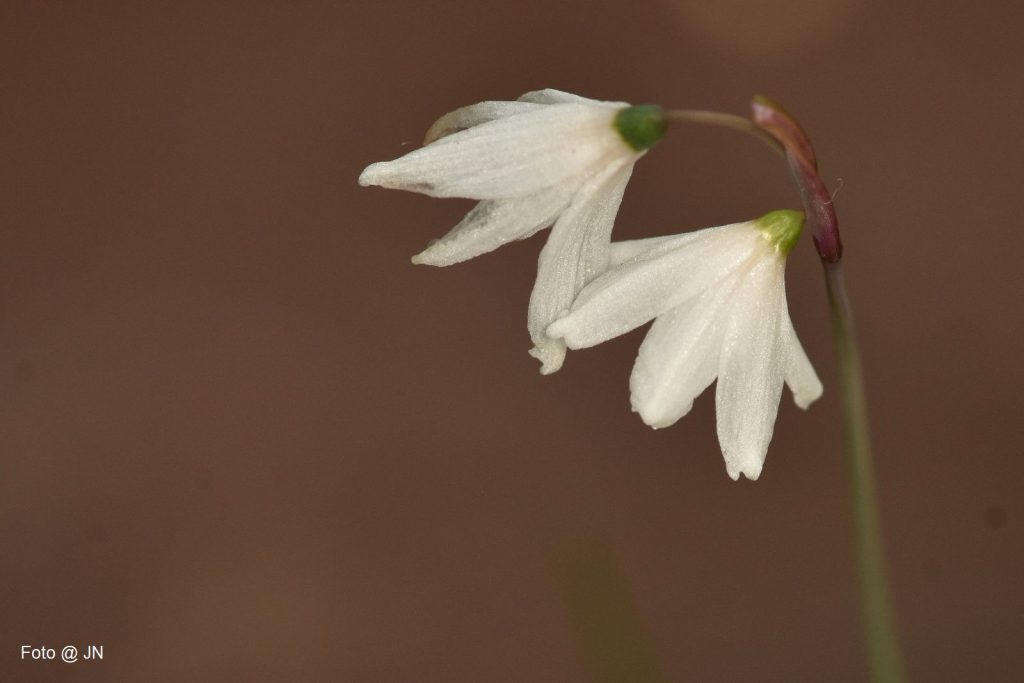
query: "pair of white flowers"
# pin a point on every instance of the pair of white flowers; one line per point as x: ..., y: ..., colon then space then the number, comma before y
x: 717, y: 296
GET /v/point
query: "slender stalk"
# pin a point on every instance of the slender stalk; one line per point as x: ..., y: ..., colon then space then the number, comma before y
x: 714, y: 118
x: 884, y: 658
x: 885, y: 662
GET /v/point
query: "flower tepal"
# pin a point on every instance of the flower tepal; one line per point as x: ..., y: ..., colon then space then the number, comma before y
x: 719, y: 303
x: 549, y: 158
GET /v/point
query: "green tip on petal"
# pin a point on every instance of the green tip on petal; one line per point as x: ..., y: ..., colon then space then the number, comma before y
x: 782, y: 228
x: 641, y: 126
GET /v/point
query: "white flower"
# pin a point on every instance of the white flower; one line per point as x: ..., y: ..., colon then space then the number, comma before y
x: 548, y: 158
x: 720, y: 302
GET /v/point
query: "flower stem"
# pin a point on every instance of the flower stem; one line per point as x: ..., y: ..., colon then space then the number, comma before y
x: 885, y: 661
x: 884, y: 658
x: 714, y: 118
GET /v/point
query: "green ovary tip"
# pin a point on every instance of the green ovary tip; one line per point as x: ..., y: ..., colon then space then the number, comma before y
x: 641, y: 126
x: 782, y: 228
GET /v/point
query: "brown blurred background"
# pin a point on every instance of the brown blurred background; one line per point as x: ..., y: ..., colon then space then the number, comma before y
x: 243, y: 438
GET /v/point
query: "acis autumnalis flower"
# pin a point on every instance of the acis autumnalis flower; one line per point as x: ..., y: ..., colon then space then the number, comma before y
x: 718, y: 300
x: 547, y: 159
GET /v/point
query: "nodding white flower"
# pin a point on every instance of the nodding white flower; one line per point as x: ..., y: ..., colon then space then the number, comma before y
x: 719, y: 299
x: 548, y: 158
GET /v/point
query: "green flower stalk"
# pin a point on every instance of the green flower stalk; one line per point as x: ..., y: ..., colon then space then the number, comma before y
x: 884, y: 657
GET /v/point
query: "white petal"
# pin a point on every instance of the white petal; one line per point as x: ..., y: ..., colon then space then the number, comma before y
x: 679, y: 357
x: 654, y: 281
x: 575, y: 253
x: 751, y: 370
x: 620, y: 252
x: 800, y: 376
x: 493, y: 223
x: 474, y: 115
x: 552, y: 96
x: 508, y: 157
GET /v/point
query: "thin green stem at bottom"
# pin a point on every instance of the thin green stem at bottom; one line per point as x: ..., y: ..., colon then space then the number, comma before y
x: 884, y: 658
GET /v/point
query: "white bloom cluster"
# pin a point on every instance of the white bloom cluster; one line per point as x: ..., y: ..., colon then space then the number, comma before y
x: 717, y: 296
